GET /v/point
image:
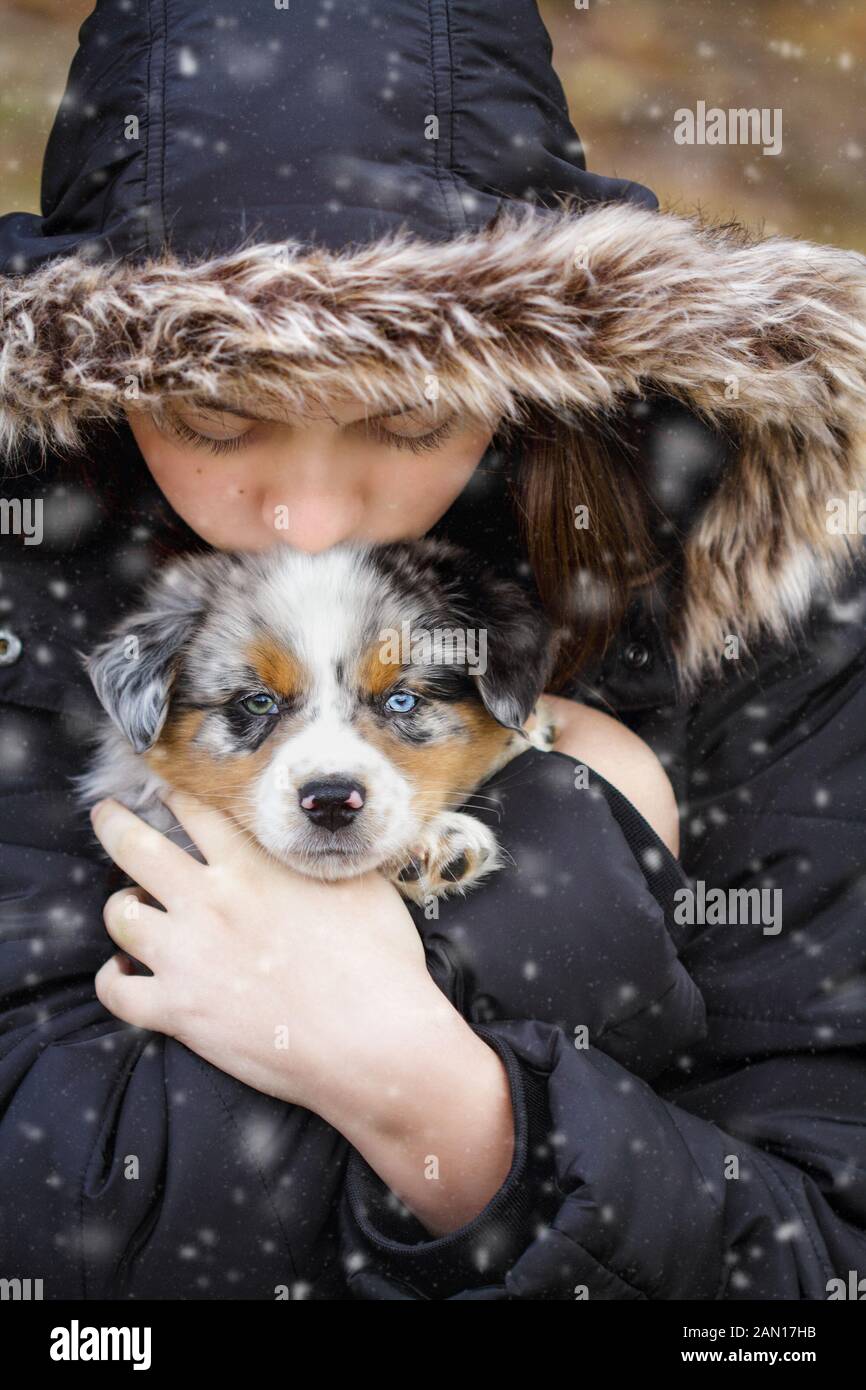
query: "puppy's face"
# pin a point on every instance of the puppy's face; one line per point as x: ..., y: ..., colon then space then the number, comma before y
x: 331, y: 704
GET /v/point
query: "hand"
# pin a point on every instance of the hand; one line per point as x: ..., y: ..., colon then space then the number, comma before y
x: 271, y: 976
x: 316, y: 993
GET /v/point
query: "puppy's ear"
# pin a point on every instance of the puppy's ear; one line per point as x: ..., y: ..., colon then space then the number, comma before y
x: 134, y: 670
x: 519, y: 639
x: 519, y: 660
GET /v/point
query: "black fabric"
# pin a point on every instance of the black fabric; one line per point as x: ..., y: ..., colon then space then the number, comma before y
x: 301, y: 123
x: 590, y: 941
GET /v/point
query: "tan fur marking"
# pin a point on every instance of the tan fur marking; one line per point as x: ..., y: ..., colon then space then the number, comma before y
x: 223, y: 783
x: 375, y: 674
x: 278, y: 667
x: 444, y: 773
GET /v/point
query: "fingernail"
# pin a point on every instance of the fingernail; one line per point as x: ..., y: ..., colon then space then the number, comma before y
x: 95, y: 807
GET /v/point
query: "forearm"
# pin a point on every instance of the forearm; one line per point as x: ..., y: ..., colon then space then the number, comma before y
x: 433, y: 1120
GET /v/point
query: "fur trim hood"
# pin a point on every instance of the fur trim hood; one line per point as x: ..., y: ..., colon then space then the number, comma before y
x: 550, y: 294
x: 766, y: 340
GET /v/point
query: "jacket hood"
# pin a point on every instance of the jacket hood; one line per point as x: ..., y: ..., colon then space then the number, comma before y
x: 281, y: 230
x: 326, y: 124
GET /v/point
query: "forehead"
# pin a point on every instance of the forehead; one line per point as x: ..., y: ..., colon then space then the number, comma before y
x: 293, y: 621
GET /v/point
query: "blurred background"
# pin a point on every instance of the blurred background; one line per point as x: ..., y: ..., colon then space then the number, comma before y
x: 627, y: 66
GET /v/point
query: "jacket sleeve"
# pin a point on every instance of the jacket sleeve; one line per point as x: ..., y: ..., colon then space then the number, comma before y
x: 617, y: 1193
x: 677, y: 1183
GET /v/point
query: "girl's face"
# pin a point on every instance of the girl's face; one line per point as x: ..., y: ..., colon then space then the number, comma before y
x: 244, y: 483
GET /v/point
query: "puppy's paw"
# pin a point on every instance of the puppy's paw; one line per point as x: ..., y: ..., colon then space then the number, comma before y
x: 541, y: 727
x: 453, y: 854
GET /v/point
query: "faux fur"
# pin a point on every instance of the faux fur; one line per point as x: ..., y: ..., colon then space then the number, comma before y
x: 765, y: 338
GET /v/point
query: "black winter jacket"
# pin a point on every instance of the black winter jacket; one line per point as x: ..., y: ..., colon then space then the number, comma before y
x: 689, y: 1097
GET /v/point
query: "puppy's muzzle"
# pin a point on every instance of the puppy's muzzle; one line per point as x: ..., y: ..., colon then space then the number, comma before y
x: 331, y: 803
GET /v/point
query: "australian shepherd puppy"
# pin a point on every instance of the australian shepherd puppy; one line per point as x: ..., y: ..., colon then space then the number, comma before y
x: 339, y: 707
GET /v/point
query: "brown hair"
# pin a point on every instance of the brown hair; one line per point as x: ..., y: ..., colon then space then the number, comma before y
x: 583, y: 514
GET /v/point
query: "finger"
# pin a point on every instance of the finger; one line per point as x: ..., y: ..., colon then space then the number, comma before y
x: 214, y: 834
x: 164, y: 870
x: 136, y: 999
x: 134, y: 926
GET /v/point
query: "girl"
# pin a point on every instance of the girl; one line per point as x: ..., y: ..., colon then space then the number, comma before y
x: 360, y: 278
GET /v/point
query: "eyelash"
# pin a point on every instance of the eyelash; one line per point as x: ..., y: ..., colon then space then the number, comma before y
x: 420, y: 444
x: 201, y: 441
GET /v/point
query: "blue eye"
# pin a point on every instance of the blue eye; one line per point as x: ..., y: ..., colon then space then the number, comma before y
x: 401, y: 703
x: 259, y: 704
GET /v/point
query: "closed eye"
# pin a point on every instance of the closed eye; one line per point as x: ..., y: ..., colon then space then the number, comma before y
x: 414, y: 443
x: 372, y: 428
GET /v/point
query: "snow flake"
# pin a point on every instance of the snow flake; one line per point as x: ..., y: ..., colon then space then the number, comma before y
x: 187, y: 62
x: 786, y: 49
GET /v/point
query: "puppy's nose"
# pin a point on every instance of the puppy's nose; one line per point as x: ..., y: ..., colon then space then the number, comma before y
x: 331, y: 803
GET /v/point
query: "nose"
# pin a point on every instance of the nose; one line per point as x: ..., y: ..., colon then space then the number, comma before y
x: 332, y: 802
x: 316, y: 520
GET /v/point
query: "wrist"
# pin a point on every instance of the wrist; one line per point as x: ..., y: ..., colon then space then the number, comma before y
x: 413, y: 1052
x: 435, y: 1121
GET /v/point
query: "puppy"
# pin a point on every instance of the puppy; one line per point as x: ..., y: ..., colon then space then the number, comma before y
x: 339, y: 707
